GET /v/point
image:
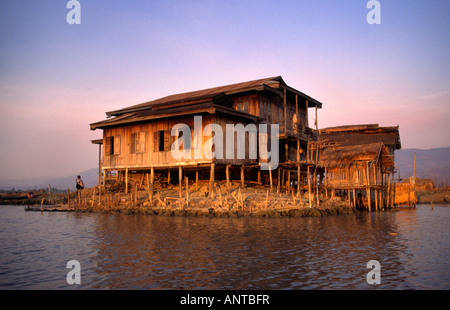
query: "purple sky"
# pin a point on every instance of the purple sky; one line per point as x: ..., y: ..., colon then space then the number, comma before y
x: 56, y: 78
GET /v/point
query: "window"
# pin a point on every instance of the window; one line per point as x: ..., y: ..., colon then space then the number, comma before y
x: 112, y: 145
x: 245, y: 107
x: 161, y: 141
x: 138, y: 142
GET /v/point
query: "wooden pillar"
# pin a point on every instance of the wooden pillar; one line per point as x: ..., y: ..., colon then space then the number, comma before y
x: 152, y: 178
x: 376, y: 199
x: 196, y: 180
x: 309, y: 187
x: 289, y: 180
x: 279, y: 180
x: 259, y: 176
x: 187, y: 190
x: 180, y: 181
x: 99, y: 165
x: 242, y: 177
x: 270, y: 177
x: 211, y: 181
x: 307, y: 116
x: 104, y: 180
x: 298, y: 180
x: 227, y: 173
x: 168, y: 176
x: 126, y: 180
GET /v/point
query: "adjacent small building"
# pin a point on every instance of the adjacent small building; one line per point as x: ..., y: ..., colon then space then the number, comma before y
x: 359, y: 161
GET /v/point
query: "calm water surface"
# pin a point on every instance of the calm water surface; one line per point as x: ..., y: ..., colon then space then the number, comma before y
x: 157, y: 252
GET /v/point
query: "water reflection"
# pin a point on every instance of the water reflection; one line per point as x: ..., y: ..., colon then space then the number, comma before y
x: 156, y: 252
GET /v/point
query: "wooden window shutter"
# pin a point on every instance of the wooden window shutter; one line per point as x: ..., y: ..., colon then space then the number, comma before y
x: 142, y: 142
x: 167, y: 140
x: 155, y: 141
x: 116, y: 145
x: 108, y: 146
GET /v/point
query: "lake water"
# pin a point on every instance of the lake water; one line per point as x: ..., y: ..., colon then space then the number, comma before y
x: 157, y: 252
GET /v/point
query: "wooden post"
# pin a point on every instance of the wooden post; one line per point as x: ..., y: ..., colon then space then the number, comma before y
x: 242, y: 177
x: 99, y: 164
x: 279, y: 180
x: 126, y: 180
x: 68, y: 198
x: 307, y: 116
x: 388, y: 194
x: 227, y: 173
x: 180, y: 183
x: 354, y: 198
x: 259, y: 176
x: 289, y: 181
x: 168, y: 176
x: 376, y: 199
x: 196, y: 180
x: 50, y: 194
x: 104, y: 180
x: 309, y: 187
x: 298, y: 180
x: 187, y: 190
x: 152, y: 177
x: 211, y: 181
x: 270, y: 177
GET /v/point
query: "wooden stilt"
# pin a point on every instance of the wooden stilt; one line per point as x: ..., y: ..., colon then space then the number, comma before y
x: 126, y: 180
x: 211, y: 181
x: 187, y: 190
x: 168, y: 176
x: 152, y: 178
x: 180, y: 183
x: 309, y: 186
x: 242, y: 177
x: 270, y: 177
x: 227, y: 173
x: 279, y: 181
x: 196, y: 180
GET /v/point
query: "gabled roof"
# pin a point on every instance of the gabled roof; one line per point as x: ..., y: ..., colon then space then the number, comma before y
x: 208, y: 100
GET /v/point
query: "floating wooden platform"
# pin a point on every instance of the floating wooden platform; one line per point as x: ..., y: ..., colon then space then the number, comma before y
x: 50, y: 208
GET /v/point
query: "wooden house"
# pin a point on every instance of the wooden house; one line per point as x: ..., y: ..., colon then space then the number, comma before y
x: 139, y: 138
x: 359, y: 161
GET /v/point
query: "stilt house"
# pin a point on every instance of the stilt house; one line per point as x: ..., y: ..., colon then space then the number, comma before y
x: 138, y: 139
x: 359, y: 161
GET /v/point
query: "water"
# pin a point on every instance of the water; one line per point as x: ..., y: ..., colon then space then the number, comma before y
x: 157, y: 252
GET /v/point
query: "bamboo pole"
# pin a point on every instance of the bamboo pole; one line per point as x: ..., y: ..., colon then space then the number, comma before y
x: 309, y: 187
x: 196, y: 180
x: 227, y: 173
x: 180, y: 178
x: 242, y: 177
x: 279, y: 180
x: 211, y: 181
x: 126, y: 180
x: 187, y: 190
x: 270, y: 177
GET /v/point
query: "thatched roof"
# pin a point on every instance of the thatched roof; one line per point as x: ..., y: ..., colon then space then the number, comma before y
x: 359, y: 135
x: 344, y: 156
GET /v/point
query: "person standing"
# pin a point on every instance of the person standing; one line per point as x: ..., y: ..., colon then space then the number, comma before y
x: 79, y: 182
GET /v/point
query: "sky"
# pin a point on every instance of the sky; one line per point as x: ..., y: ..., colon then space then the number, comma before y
x: 56, y: 78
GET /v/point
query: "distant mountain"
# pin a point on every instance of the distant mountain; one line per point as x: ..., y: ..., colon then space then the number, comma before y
x: 89, y: 177
x: 430, y: 164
